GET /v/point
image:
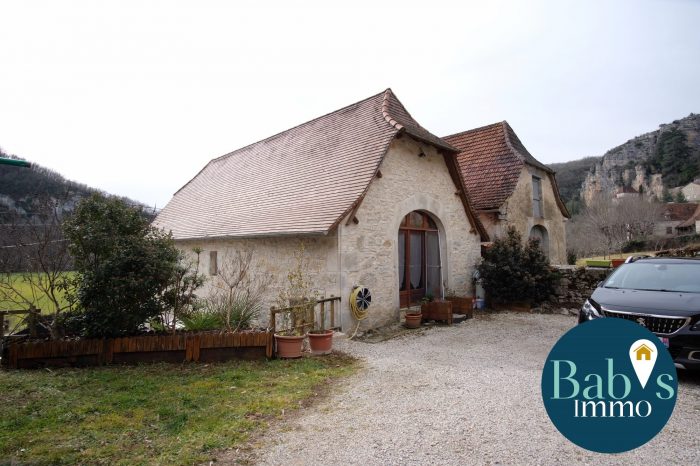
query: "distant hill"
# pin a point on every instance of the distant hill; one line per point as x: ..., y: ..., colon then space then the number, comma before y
x: 23, y: 189
x: 651, y: 163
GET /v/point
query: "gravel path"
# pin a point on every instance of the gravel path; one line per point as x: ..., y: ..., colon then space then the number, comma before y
x: 467, y: 394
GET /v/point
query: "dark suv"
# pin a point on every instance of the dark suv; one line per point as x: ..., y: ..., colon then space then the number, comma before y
x: 661, y: 294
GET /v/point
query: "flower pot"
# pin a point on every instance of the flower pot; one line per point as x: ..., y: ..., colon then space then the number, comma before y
x: 617, y: 262
x: 321, y: 343
x: 413, y: 320
x: 289, y: 347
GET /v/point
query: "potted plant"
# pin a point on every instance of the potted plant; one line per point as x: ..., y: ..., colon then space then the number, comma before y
x: 321, y: 338
x: 460, y: 304
x: 298, y: 301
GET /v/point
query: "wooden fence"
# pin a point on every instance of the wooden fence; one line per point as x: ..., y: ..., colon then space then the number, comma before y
x: 323, y: 312
x: 202, y: 347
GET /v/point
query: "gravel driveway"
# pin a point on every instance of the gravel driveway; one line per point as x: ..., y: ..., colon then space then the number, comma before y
x: 466, y: 394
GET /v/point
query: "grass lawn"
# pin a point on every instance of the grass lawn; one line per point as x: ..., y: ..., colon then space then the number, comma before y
x: 19, y: 282
x: 150, y: 414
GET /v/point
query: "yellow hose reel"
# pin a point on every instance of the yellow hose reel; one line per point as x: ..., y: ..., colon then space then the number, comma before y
x: 360, y: 300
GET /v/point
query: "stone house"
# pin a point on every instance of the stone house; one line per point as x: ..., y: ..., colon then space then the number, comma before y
x: 691, y: 191
x: 678, y: 219
x: 509, y: 187
x: 375, y: 197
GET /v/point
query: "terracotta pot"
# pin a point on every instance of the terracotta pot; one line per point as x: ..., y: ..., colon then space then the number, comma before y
x: 617, y: 262
x: 321, y: 343
x: 413, y: 320
x: 289, y: 347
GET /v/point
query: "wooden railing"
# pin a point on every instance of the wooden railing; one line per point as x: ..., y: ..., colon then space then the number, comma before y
x: 324, y: 310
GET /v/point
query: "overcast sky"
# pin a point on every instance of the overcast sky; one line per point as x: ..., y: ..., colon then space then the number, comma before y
x: 136, y: 97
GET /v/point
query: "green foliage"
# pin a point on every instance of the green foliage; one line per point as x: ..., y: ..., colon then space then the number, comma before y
x: 123, y: 266
x: 179, y: 296
x: 156, y: 414
x: 674, y: 159
x: 202, y: 319
x: 513, y: 272
x: 666, y: 195
x: 235, y: 311
x: 680, y: 197
x: 571, y: 257
x: 634, y: 246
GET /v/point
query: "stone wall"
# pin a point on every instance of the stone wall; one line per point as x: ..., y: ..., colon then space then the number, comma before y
x: 273, y: 258
x: 575, y: 286
x: 369, y: 251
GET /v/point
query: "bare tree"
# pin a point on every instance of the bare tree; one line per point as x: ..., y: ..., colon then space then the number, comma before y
x: 34, y: 260
x: 238, y: 289
x: 607, y: 224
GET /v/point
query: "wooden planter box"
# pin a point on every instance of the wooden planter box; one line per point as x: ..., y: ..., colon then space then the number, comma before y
x: 178, y: 348
x: 462, y: 305
x: 437, y: 310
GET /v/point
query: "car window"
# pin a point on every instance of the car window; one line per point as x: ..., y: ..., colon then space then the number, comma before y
x: 680, y: 277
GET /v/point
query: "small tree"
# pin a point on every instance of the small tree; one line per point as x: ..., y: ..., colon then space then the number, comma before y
x: 513, y: 272
x: 179, y: 296
x: 123, y: 266
x: 680, y: 197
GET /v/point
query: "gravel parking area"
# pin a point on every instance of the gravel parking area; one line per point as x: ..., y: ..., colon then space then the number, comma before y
x: 466, y: 394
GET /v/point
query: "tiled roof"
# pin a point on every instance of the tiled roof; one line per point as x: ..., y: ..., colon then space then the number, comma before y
x: 301, y: 181
x: 490, y: 159
x: 692, y: 219
x: 679, y: 211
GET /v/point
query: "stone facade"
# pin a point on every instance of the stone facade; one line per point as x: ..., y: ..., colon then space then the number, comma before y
x: 369, y: 250
x: 366, y: 252
x: 517, y: 211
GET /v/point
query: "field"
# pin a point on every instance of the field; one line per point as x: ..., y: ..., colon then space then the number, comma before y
x: 22, y: 283
x: 151, y: 414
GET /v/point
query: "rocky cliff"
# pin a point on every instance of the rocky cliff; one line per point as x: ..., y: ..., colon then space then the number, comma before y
x: 639, y: 163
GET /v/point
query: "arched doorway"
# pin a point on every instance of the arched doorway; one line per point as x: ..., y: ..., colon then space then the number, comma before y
x: 419, y: 259
x: 540, y: 233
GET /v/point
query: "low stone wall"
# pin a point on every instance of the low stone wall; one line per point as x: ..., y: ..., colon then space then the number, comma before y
x: 575, y: 286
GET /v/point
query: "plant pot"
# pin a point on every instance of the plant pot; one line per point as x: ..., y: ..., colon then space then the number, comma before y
x: 289, y: 347
x: 321, y: 343
x: 413, y: 320
x: 617, y: 262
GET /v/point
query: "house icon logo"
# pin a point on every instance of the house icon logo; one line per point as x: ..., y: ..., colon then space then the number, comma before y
x: 643, y: 352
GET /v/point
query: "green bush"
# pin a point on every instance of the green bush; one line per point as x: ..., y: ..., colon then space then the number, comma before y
x: 512, y: 272
x: 236, y: 310
x: 123, y: 265
x: 201, y: 319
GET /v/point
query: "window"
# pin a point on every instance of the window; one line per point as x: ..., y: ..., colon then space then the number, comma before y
x: 537, y: 207
x: 419, y: 259
x: 213, y: 263
x: 669, y: 230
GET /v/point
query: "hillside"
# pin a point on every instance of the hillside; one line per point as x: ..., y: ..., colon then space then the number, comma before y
x: 653, y: 162
x: 24, y: 191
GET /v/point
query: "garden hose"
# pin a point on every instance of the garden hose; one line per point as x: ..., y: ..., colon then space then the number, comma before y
x: 360, y: 299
